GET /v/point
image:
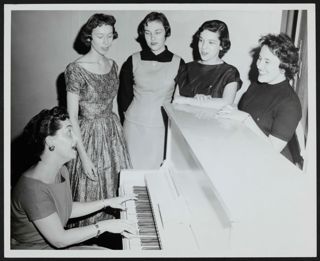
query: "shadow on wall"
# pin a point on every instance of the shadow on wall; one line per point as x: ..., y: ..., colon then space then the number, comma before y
x: 61, y: 90
x: 195, y: 50
x: 144, y: 46
x: 253, y: 72
x: 81, y: 49
x: 22, y: 157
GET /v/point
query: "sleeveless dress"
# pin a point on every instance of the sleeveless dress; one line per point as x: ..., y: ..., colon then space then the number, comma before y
x: 102, y: 137
x: 144, y: 126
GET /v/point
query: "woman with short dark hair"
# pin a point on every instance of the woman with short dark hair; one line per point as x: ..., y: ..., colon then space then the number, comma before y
x: 146, y: 82
x: 92, y: 84
x: 41, y: 201
x: 208, y: 81
x: 270, y: 106
x: 95, y: 21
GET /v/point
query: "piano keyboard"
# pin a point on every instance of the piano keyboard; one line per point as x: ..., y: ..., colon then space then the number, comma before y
x: 141, y: 210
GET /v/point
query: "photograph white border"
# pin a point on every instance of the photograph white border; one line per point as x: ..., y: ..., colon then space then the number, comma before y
x: 8, y: 8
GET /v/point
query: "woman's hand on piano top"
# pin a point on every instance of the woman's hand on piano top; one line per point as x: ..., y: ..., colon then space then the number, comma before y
x: 117, y: 202
x: 232, y: 112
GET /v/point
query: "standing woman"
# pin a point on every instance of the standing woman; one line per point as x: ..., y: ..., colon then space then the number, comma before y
x: 146, y: 82
x: 92, y: 84
x: 209, y: 81
x: 270, y: 106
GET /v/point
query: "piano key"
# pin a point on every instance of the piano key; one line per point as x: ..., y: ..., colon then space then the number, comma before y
x: 140, y: 211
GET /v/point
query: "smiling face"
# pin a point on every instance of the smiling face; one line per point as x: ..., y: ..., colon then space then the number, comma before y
x: 155, y: 35
x: 102, y: 37
x: 268, y: 67
x: 209, y: 47
x: 64, y: 141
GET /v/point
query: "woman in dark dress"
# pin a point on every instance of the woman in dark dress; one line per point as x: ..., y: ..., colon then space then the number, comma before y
x: 270, y: 106
x: 209, y: 81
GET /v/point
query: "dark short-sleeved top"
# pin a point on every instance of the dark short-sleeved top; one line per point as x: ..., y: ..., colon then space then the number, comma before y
x: 31, y: 200
x: 196, y: 78
x: 276, y: 109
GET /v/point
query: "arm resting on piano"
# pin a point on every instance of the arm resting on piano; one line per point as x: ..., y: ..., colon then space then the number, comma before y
x: 52, y: 230
x: 231, y: 112
x: 207, y: 101
x: 277, y: 144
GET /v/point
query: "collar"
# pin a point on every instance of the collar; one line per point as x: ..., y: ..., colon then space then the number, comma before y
x: 148, y: 55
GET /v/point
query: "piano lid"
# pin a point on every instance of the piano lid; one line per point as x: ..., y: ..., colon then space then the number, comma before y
x: 247, y: 175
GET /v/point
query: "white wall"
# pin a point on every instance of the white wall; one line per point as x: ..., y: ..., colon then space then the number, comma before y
x: 42, y: 46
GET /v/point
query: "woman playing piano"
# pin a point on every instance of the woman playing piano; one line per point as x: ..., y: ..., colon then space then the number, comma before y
x: 41, y: 201
x: 208, y: 81
x: 270, y: 107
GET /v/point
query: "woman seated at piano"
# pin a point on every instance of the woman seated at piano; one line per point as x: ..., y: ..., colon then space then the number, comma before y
x: 41, y: 201
x: 270, y: 106
x: 208, y: 81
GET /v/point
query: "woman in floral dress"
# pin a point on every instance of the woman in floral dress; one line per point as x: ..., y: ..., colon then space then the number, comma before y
x: 92, y: 84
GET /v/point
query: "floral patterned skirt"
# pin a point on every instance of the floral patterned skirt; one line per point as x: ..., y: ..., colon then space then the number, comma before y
x: 104, y: 143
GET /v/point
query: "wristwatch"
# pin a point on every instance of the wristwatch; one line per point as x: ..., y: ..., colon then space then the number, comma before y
x: 98, y: 229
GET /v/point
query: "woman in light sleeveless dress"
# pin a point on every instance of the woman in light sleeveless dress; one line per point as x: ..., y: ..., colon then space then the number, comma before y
x: 146, y: 83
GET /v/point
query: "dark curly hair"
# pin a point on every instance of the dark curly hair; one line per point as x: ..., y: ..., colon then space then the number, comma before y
x: 93, y: 22
x: 46, y: 123
x: 154, y: 16
x: 282, y: 46
x: 215, y: 26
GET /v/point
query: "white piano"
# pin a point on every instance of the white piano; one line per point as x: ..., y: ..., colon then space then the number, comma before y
x: 221, y: 192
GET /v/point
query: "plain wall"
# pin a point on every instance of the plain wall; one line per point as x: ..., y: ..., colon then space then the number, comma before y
x: 42, y: 46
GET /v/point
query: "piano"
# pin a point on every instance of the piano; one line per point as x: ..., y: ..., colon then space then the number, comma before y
x: 220, y: 192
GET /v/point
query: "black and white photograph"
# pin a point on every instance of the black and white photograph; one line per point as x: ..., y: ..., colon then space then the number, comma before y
x: 160, y: 130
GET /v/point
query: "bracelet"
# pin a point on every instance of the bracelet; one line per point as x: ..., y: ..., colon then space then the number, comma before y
x: 98, y: 229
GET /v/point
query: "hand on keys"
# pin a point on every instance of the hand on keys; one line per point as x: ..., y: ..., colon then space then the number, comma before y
x: 124, y: 227
x: 117, y: 202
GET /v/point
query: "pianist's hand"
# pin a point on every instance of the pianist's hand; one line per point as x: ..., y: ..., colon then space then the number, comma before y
x: 119, y: 226
x: 117, y: 202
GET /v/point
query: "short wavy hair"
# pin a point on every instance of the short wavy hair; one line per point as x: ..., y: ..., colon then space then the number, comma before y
x: 154, y: 16
x: 44, y: 124
x: 282, y: 46
x: 93, y: 22
x: 216, y: 26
